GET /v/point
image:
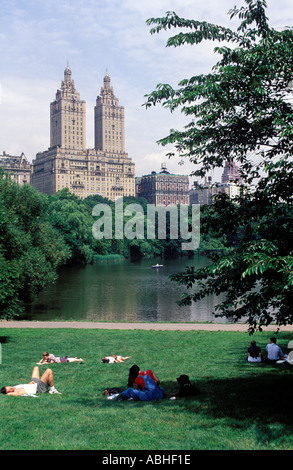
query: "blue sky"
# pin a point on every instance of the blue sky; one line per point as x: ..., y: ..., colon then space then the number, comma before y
x: 38, y: 37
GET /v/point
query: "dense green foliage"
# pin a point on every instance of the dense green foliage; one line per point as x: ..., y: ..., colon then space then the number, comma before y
x: 39, y: 233
x: 241, y: 112
x: 74, y: 220
x: 241, y: 406
x: 31, y: 249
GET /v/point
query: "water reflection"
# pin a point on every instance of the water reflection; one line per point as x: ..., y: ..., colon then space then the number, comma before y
x: 121, y: 292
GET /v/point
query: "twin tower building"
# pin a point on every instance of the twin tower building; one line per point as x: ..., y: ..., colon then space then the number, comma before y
x: 105, y: 169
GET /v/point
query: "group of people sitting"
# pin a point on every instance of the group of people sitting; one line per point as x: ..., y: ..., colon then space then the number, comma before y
x: 274, y: 353
x: 145, y: 386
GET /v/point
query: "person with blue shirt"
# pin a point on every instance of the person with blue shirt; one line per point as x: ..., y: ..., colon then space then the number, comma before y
x: 274, y: 352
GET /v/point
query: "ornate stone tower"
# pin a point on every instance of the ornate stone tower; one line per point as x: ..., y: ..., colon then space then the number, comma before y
x: 68, y: 116
x: 105, y: 169
x: 231, y: 173
x: 109, y: 121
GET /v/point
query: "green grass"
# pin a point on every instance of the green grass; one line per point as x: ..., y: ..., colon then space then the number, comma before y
x: 241, y: 406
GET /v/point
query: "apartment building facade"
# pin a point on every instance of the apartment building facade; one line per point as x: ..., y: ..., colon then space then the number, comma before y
x: 106, y: 169
x: 164, y: 188
x: 17, y: 166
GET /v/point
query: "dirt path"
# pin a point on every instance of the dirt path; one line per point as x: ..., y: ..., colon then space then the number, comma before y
x: 136, y: 326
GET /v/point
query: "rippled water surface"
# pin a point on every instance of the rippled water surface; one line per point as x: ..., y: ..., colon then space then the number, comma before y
x: 121, y: 292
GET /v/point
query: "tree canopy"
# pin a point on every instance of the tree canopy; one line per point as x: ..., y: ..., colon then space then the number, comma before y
x: 240, y: 112
x: 31, y: 249
x: 40, y: 233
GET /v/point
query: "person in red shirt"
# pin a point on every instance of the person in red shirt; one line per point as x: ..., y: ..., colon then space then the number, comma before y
x: 136, y: 377
x: 142, y: 385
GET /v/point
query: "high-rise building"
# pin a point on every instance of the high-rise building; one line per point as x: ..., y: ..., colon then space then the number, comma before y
x: 231, y: 173
x: 109, y: 121
x: 68, y: 116
x: 105, y: 169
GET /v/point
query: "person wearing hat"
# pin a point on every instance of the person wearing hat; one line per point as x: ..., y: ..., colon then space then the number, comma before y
x: 186, y: 389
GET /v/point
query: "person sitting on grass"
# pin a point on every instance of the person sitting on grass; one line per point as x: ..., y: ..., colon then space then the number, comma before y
x: 274, y: 352
x: 253, y: 353
x: 36, y: 385
x: 136, y: 377
x: 50, y: 359
x: 142, y: 385
x: 186, y: 389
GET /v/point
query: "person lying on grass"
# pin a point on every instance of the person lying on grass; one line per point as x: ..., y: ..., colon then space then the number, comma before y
x: 114, y: 358
x: 50, y: 359
x: 36, y: 385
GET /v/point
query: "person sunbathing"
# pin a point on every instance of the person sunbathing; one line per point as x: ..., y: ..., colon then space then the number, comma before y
x: 36, y: 385
x: 50, y: 359
x: 114, y: 358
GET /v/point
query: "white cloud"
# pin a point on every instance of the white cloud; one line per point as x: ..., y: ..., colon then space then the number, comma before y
x: 95, y: 35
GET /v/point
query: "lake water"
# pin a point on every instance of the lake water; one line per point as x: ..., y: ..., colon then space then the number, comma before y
x: 121, y: 292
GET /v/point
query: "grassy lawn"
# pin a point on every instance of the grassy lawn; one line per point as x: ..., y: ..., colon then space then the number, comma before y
x: 241, y: 406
